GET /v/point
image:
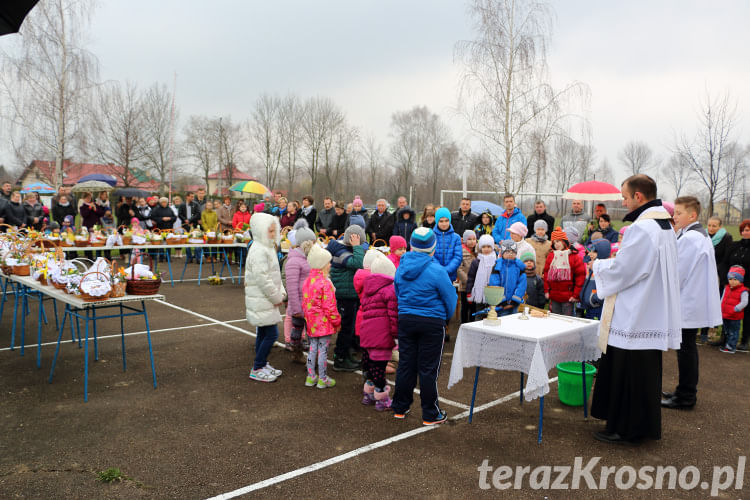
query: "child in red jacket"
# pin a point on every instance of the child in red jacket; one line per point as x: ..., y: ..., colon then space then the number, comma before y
x: 378, y: 330
x: 564, y: 274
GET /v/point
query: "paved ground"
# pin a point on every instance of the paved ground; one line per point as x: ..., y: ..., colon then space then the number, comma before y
x: 208, y: 430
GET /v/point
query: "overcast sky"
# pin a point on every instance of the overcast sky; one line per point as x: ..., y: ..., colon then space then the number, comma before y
x: 647, y: 63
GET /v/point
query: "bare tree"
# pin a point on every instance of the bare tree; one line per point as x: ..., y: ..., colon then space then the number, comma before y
x: 678, y: 173
x: 409, y: 147
x: 372, y: 152
x: 568, y: 160
x: 440, y: 149
x: 637, y: 158
x: 229, y: 141
x: 504, y: 94
x: 291, y: 114
x: 45, y: 79
x: 604, y: 172
x: 116, y: 130
x: 200, y: 144
x: 266, y: 134
x: 158, y: 128
x: 321, y: 117
x: 707, y: 153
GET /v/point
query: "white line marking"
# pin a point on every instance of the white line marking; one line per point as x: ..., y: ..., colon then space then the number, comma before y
x: 117, y: 335
x: 356, y: 452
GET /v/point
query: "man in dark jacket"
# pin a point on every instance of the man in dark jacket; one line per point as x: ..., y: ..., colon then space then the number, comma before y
x: 162, y: 215
x: 189, y: 212
x: 462, y: 219
x: 325, y: 217
x: 540, y: 213
x: 125, y: 212
x: 13, y: 212
x: 380, y: 226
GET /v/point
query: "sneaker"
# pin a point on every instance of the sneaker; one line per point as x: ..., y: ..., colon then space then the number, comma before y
x: 727, y: 350
x: 742, y: 347
x: 325, y: 383
x: 261, y: 375
x: 288, y: 347
x: 401, y: 415
x: 345, y: 365
x: 311, y: 381
x: 273, y: 371
x: 441, y: 418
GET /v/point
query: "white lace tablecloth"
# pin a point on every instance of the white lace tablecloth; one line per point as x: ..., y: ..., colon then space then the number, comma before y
x: 532, y: 346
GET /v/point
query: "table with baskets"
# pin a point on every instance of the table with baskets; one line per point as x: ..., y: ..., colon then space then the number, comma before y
x: 124, y: 298
x: 163, y: 249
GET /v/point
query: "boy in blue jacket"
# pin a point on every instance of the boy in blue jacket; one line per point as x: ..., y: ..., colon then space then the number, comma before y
x: 448, y: 252
x: 509, y: 273
x: 590, y: 301
x: 426, y: 300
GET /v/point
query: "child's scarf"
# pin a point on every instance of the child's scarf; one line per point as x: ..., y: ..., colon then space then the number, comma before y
x: 486, y: 264
x: 559, y: 270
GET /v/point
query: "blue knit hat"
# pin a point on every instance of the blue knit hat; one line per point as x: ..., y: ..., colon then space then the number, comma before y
x: 442, y: 212
x: 423, y: 240
x: 602, y: 247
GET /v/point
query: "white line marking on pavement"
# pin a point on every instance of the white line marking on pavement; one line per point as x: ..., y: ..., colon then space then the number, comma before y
x: 117, y: 335
x: 359, y: 451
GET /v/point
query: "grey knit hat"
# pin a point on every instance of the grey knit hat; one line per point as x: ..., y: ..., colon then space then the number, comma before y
x: 303, y: 234
x: 301, y: 222
x: 468, y: 234
x: 541, y: 223
x: 508, y: 246
x: 353, y: 229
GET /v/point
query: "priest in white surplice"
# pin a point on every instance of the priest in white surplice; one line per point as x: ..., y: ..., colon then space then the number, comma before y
x: 640, y: 318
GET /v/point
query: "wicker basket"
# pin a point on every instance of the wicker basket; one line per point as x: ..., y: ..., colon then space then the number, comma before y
x: 126, y: 240
x: 22, y: 270
x: 97, y: 243
x: 90, y: 298
x: 119, y: 289
x: 64, y: 243
x: 81, y: 243
x: 59, y: 286
x: 43, y: 280
x: 143, y: 287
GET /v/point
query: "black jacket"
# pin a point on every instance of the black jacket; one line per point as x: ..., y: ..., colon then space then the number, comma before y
x: 531, y: 219
x: 461, y: 222
x: 381, y: 225
x: 59, y: 212
x: 311, y: 217
x: 535, y: 291
x: 123, y: 214
x: 32, y: 212
x: 738, y: 254
x: 158, y: 213
x: 338, y: 225
x: 195, y: 214
x: 14, y: 214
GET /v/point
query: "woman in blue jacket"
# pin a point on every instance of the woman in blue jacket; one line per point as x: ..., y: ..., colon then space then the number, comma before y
x: 448, y: 252
x: 509, y: 274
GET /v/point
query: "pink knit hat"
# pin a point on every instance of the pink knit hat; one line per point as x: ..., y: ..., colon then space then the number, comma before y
x: 519, y: 228
x: 259, y: 207
x: 396, y: 242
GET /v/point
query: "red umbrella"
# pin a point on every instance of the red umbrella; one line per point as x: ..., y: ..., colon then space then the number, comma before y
x: 593, y: 191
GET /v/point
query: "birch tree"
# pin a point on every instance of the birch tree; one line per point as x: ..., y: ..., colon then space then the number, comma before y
x: 266, y: 136
x: 505, y: 94
x: 158, y: 129
x: 44, y: 81
x: 200, y: 145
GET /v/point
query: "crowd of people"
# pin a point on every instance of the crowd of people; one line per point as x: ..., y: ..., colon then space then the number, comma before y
x: 395, y: 305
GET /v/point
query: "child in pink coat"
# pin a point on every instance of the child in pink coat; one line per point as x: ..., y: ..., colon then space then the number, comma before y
x: 397, y: 245
x: 378, y: 331
x: 359, y: 281
x: 321, y: 316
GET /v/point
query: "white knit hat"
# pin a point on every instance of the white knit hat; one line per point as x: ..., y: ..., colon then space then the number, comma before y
x: 370, y: 256
x: 318, y: 257
x: 486, y: 241
x: 383, y: 265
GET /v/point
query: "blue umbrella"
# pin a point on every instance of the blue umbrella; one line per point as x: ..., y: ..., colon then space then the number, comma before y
x: 480, y: 206
x: 109, y: 179
x: 38, y: 187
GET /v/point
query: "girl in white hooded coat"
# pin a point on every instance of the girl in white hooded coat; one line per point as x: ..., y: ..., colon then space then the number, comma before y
x: 264, y: 292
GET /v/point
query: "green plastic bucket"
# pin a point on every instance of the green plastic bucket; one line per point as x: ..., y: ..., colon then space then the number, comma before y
x: 569, y: 382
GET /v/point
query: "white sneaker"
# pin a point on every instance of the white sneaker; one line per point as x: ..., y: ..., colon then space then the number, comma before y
x: 273, y: 371
x: 261, y: 375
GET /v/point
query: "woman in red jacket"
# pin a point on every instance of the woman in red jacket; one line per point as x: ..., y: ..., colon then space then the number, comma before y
x: 564, y: 274
x: 241, y: 216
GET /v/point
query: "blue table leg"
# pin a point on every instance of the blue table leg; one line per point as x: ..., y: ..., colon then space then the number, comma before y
x: 5, y: 297
x: 24, y: 307
x: 41, y: 306
x: 184, y: 266
x: 541, y: 419
x: 59, y: 337
x: 200, y: 268
x: 122, y: 339
x: 78, y: 330
x: 585, y: 399
x: 54, y: 308
x: 96, y: 344
x: 148, y: 335
x: 39, y: 332
x: 521, y: 388
x: 15, y: 315
x: 212, y: 252
x: 169, y: 266
x: 473, y: 395
x: 229, y: 267
x: 86, y: 358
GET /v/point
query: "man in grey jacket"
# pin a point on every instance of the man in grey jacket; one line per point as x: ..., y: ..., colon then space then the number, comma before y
x: 577, y: 219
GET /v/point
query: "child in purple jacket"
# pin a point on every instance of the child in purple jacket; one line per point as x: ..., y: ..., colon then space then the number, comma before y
x: 378, y: 330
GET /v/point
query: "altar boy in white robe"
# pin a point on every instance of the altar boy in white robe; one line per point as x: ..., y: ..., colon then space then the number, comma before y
x: 699, y: 297
x: 640, y: 318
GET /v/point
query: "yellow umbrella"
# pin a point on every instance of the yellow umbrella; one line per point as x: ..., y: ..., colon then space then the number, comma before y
x: 252, y: 187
